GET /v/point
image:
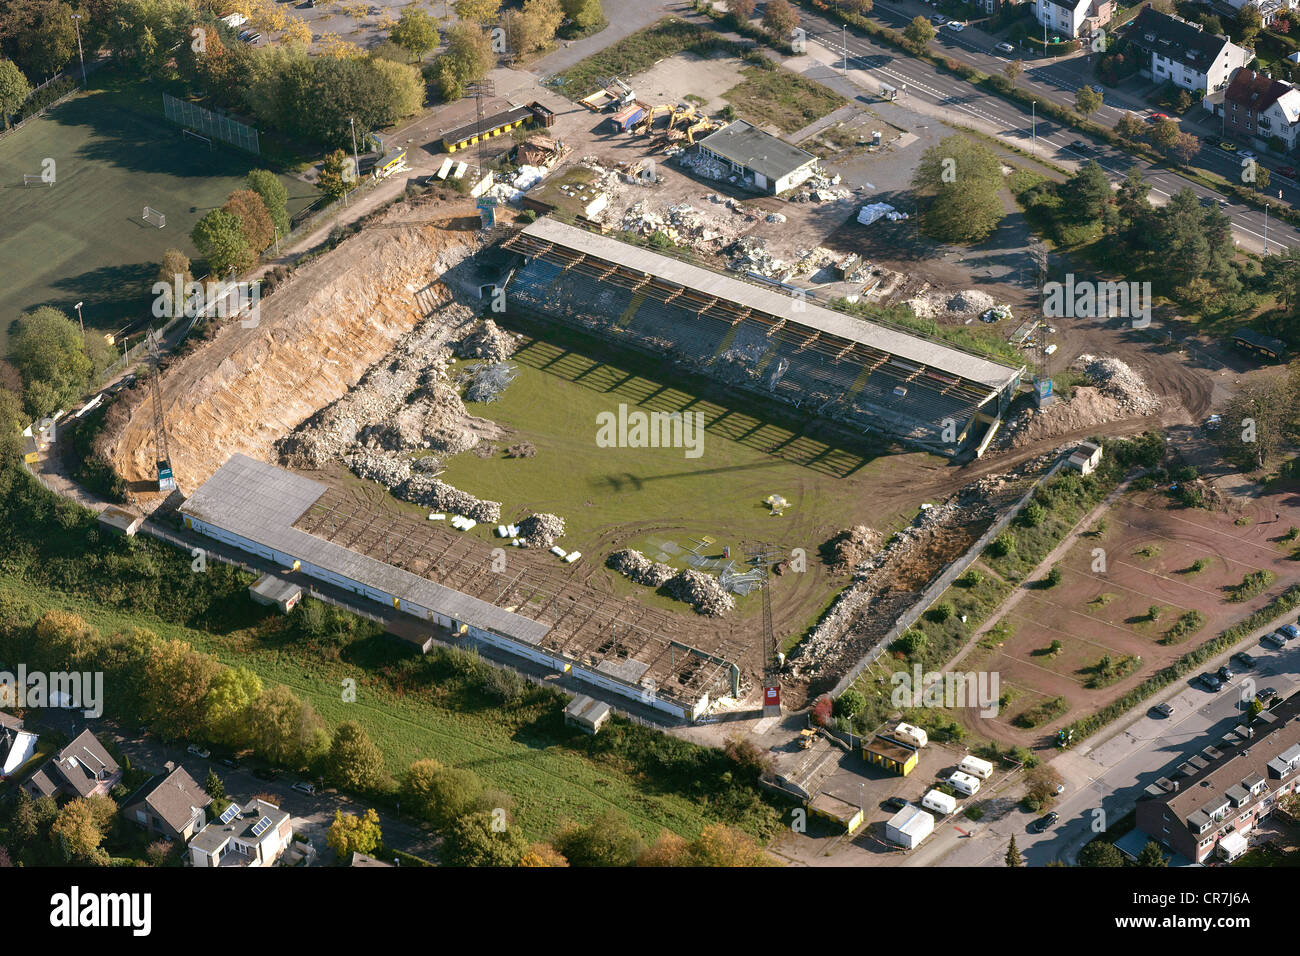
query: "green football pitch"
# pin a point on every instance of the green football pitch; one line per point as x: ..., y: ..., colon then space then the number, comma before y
x: 83, y: 239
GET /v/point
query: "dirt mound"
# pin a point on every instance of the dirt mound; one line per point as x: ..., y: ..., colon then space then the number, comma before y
x: 488, y: 341
x: 636, y: 567
x: 1119, y: 381
x: 701, y: 591
x: 540, y: 530
x: 851, y: 547
x: 247, y: 387
x: 932, y: 305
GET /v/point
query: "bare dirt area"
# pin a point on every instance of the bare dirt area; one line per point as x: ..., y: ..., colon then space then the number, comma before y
x: 1152, y: 546
x: 246, y: 387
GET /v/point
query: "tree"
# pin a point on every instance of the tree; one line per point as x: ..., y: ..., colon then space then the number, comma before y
x: 49, y: 352
x: 1087, y: 101
x: 585, y: 14
x: 416, y: 32
x: 355, y: 763
x: 228, y: 706
x: 284, y: 729
x: 918, y: 33
x: 1131, y: 127
x: 337, y: 176
x: 79, y: 829
x: 254, y: 219
x: 219, y: 236
x: 175, y: 263
x: 30, y: 818
x: 440, y: 794
x: 741, y: 10
x: 1250, y: 22
x: 41, y: 35
x: 477, y: 840
x: 543, y: 854
x: 1088, y: 195
x: 606, y: 841
x: 466, y: 60
x: 1151, y: 855
x: 860, y: 7
x: 177, y: 679
x: 1100, y: 853
x: 1013, y: 69
x: 1164, y: 134
x: 14, y: 90
x: 274, y: 196
x: 957, y: 183
x: 850, y: 702
x: 296, y: 32
x: 780, y: 19
x: 1184, y: 147
x: 719, y: 845
x: 478, y: 11
x: 215, y: 788
x: 1013, y: 857
x: 350, y: 833
x: 64, y: 641
x: 533, y: 27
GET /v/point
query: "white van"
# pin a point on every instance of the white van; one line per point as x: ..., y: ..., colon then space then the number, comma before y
x: 976, y: 767
x: 964, y: 783
x: 939, y: 802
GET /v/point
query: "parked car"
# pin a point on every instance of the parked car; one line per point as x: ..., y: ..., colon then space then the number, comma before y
x: 895, y: 803
x: 1060, y: 789
x: 938, y: 19
x: 1244, y: 659
x: 198, y: 751
x: 303, y: 786
x: 1005, y: 48
x: 1276, y: 639
x: 956, y: 27
x: 1267, y: 694
x: 1290, y: 630
x: 1044, y: 822
x: 1227, y: 146
x: 1287, y: 171
x: 1246, y: 154
x: 1211, y: 682
x: 1226, y: 673
x: 1157, y: 117
x: 1079, y: 146
x: 1164, y: 710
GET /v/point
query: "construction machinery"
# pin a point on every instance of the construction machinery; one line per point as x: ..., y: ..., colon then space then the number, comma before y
x: 646, y: 125
x: 166, y: 481
x: 773, y: 659
x: 701, y: 128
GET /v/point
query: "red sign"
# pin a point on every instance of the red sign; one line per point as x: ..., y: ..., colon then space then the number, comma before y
x: 772, y: 694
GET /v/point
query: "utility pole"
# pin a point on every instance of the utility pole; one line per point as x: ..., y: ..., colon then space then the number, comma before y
x: 1033, y: 127
x: 76, y: 20
x: 844, y: 41
x: 83, y: 321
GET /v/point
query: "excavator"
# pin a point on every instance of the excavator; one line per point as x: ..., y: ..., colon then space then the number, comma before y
x: 646, y: 126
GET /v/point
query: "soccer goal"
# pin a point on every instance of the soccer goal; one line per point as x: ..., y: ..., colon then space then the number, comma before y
x: 36, y: 179
x: 190, y: 134
x: 153, y: 216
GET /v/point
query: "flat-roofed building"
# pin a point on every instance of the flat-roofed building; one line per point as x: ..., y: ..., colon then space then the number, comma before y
x: 764, y: 162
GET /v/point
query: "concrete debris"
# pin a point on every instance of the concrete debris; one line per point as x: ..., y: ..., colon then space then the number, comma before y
x: 701, y: 591
x: 932, y: 305
x: 688, y: 225
x: 879, y: 210
x: 749, y: 254
x: 852, y: 547
x: 489, y: 381
x: 488, y: 341
x: 703, y: 166
x: 775, y: 217
x: 1118, y: 380
x: 636, y: 567
x: 440, y: 496
x: 540, y: 530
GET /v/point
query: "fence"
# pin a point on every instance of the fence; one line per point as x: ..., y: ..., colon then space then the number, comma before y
x: 209, y: 123
x: 940, y: 584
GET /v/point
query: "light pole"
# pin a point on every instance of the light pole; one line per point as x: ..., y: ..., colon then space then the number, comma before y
x: 1033, y: 127
x: 81, y: 321
x: 356, y: 163
x: 844, y: 41
x: 76, y: 20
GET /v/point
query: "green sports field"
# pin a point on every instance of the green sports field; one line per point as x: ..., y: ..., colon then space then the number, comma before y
x: 83, y: 239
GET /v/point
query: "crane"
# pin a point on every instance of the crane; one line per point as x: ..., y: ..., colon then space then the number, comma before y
x: 772, y: 660
x: 166, y: 481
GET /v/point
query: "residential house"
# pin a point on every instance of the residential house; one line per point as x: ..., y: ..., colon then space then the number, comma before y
x: 1268, y: 9
x: 1074, y: 18
x: 255, y: 834
x: 1216, y: 798
x: 81, y: 769
x: 1256, y: 106
x: 171, y: 804
x: 1182, y: 53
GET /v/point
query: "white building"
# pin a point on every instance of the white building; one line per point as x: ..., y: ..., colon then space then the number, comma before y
x: 1074, y: 18
x: 253, y: 835
x: 1182, y: 53
x: 908, y: 827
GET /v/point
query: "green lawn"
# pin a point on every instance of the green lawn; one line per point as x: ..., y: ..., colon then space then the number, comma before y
x: 82, y: 239
x: 784, y: 99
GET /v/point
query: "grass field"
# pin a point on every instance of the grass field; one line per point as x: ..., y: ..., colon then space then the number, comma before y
x: 784, y: 99
x: 82, y: 239
x: 614, y: 498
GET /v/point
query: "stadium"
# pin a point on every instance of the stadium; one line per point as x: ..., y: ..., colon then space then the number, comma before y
x: 864, y: 373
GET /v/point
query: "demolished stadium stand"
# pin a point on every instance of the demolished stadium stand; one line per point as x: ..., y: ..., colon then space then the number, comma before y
x: 849, y: 369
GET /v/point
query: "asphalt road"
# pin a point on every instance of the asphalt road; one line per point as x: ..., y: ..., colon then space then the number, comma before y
x: 1056, y: 80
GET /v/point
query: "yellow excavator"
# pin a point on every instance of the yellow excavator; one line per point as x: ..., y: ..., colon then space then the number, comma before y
x: 703, y: 127
x: 646, y: 126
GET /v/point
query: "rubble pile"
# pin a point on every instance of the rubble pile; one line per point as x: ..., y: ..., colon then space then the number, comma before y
x: 749, y: 254
x: 689, y: 225
x: 932, y: 305
x: 539, y: 530
x: 636, y: 567
x: 1118, y: 380
x: 437, y: 495
x: 819, y: 187
x: 435, y: 420
x: 488, y: 341
x: 851, y: 547
x: 703, y: 166
x: 701, y: 591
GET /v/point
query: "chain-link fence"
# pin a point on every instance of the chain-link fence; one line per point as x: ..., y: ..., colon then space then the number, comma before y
x: 211, y: 124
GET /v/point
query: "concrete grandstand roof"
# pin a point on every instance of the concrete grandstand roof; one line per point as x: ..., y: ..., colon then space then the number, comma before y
x: 261, y: 502
x: 814, y: 317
